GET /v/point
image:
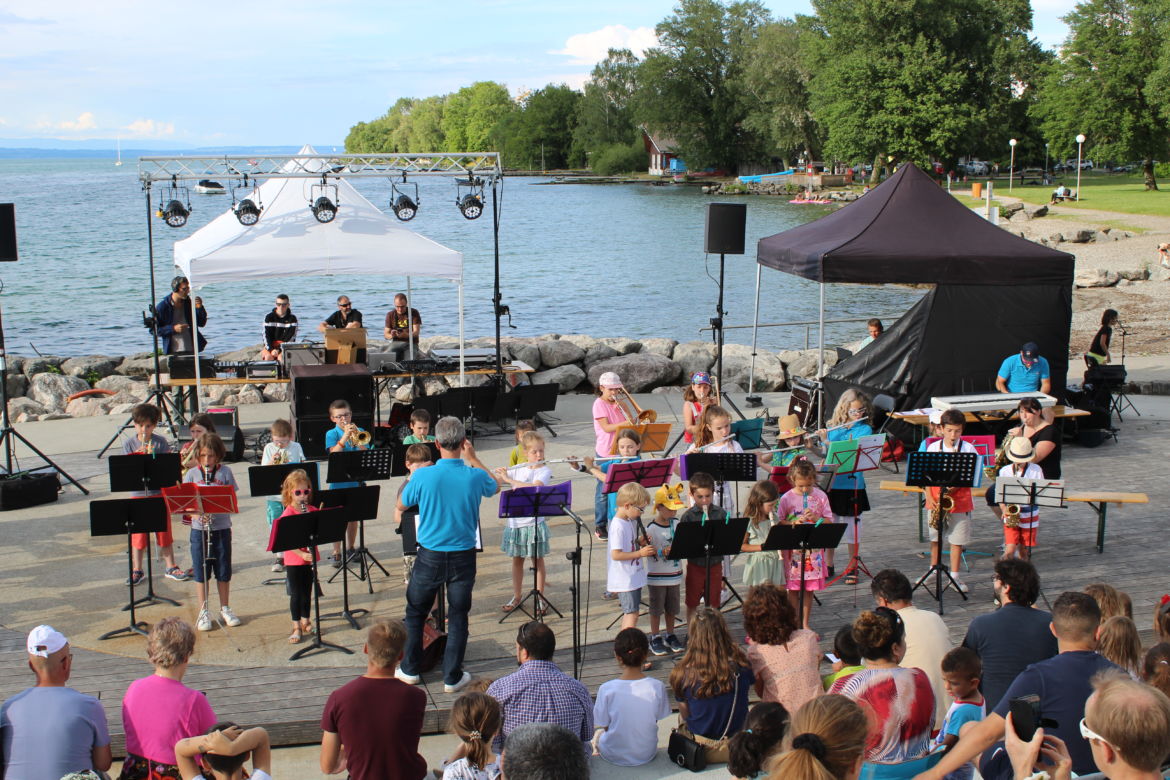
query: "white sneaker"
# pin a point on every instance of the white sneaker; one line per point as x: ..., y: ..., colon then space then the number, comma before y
x: 463, y: 681
x: 204, y: 621
x: 409, y: 679
x: 959, y: 584
x: 229, y: 617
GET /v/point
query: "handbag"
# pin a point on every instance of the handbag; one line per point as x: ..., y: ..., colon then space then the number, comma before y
x: 687, y: 752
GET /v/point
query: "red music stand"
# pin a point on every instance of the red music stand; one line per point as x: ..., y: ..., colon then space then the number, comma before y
x: 647, y: 473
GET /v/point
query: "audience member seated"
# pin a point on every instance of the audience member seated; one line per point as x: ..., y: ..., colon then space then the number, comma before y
x: 403, y: 324
x: 899, y: 701
x: 1016, y: 635
x: 1156, y: 667
x: 784, y: 657
x: 539, y: 692
x: 50, y: 730
x: 1126, y: 723
x: 1118, y: 641
x: 927, y: 638
x: 826, y: 741
x: 1162, y: 619
x: 1111, y: 600
x: 158, y: 711
x: 223, y: 751
x: 361, y: 715
x: 543, y: 751
x: 1061, y: 193
x: 1061, y: 682
x: 711, y: 682
x: 761, y: 738
x: 848, y: 657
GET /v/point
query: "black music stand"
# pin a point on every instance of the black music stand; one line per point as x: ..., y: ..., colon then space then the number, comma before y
x: 145, y: 473
x: 310, y: 530
x: 269, y: 481
x: 943, y: 470
x: 804, y: 537
x: 361, y: 504
x: 712, y: 539
x: 527, y: 402
x: 469, y: 403
x: 129, y: 516
x: 723, y: 467
x: 536, y: 502
x: 360, y: 466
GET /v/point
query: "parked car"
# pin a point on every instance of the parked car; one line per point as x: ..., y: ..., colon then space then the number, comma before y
x: 976, y: 168
x: 1086, y: 165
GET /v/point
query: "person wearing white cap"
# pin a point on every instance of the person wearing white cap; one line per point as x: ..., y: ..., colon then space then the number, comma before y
x: 1019, y: 539
x: 608, y: 415
x: 51, y: 730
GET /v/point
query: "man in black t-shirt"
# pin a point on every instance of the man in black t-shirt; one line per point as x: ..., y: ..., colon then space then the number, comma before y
x: 280, y: 325
x: 402, y: 327
x: 346, y: 316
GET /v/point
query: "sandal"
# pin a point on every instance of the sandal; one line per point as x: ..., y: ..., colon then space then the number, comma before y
x: 295, y: 637
x: 647, y: 666
x: 850, y: 579
x: 308, y: 630
x: 511, y: 605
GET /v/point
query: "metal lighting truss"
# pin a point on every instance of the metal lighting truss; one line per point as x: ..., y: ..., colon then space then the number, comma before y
x: 471, y: 165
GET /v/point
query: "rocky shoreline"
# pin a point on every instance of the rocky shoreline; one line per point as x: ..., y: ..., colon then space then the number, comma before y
x: 40, y: 388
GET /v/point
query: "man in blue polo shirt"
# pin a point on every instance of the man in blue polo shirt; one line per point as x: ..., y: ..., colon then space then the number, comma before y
x: 448, y: 495
x: 1024, y: 373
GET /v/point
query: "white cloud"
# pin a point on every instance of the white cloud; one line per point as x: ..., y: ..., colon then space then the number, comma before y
x: 591, y: 47
x: 149, y: 128
x: 85, y: 121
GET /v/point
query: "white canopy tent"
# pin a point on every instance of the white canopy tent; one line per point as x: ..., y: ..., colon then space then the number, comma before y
x: 288, y: 240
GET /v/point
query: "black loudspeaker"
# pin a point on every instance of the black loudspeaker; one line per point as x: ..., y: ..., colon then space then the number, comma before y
x: 7, y: 232
x: 310, y: 432
x: 27, y: 490
x: 313, y: 388
x: 724, y: 231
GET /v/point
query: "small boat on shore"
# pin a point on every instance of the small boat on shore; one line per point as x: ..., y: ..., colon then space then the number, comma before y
x: 810, y: 200
x: 209, y: 187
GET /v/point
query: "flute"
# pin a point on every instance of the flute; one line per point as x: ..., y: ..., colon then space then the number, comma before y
x: 712, y: 444
x: 781, y: 449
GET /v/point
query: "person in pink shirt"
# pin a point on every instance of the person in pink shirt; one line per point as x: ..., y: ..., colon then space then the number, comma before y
x: 158, y: 711
x: 785, y: 658
x: 608, y: 415
x: 296, y: 493
x: 804, y: 503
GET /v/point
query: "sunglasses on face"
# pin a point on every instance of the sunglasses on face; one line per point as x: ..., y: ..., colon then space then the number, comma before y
x: 345, y: 305
x: 302, y: 492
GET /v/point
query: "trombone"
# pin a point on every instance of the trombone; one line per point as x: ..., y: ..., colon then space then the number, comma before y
x: 644, y: 415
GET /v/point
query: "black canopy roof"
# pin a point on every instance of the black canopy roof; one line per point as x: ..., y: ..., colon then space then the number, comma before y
x: 909, y: 230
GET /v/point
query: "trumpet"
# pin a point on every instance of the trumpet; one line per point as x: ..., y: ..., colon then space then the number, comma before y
x: 147, y: 447
x: 938, y: 515
x: 644, y: 415
x: 1011, y: 517
x: 359, y: 436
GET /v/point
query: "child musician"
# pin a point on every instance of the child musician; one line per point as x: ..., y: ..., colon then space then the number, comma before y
x: 145, y: 441
x: 628, y: 547
x: 340, y: 438
x: 608, y: 416
x: 199, y: 425
x: 696, y: 398
x: 847, y: 494
x: 1019, y: 538
x: 296, y: 494
x: 715, y: 437
x: 663, y: 575
x: 791, y: 438
x: 959, y: 521
x: 417, y: 456
x: 762, y: 566
x: 805, y: 503
x: 526, y: 536
x: 516, y: 456
x: 282, y: 449
x: 420, y: 428
x: 703, y: 581
x: 629, y: 443
x: 211, y: 471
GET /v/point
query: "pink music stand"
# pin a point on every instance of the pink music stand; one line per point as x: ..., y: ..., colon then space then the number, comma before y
x: 647, y: 473
x: 192, y: 499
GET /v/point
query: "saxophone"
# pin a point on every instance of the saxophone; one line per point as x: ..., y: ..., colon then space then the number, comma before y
x: 1001, y: 458
x: 938, y: 515
x: 1011, y: 517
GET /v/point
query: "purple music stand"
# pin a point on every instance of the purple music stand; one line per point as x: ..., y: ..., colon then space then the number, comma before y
x: 535, y: 502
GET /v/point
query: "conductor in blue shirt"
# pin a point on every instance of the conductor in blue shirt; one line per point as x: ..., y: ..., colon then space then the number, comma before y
x: 447, y: 495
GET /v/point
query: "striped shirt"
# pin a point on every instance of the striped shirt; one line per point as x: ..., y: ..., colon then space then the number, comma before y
x: 660, y: 570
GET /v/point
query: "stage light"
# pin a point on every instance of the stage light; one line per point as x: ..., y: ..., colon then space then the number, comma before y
x: 323, y: 209
x: 471, y: 206
x: 175, y: 213
x: 404, y: 208
x: 247, y: 212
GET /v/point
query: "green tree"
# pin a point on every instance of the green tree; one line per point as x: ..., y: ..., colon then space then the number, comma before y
x: 604, y: 115
x: 689, y: 87
x: 775, y: 81
x: 540, y: 134
x: 426, y: 127
x: 471, y: 114
x: 1108, y: 83
x: 915, y: 79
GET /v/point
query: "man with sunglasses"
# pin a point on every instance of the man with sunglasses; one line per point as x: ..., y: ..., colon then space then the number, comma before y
x: 280, y: 325
x: 346, y: 316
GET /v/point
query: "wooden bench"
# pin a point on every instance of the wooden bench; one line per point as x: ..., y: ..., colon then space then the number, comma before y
x: 1097, y: 500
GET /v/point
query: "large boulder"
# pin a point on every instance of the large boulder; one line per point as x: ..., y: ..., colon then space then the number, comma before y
x: 1135, y: 274
x: 434, y: 385
x: 118, y: 399
x: 53, y: 390
x: 599, y: 352
x: 101, y: 365
x: 470, y: 380
x: 559, y: 353
x: 566, y: 377
x: 240, y: 355
x: 640, y: 372
x: 526, y: 352
x: 1034, y: 212
x: 581, y: 340
x: 141, y: 366
x: 25, y: 409
x: 249, y: 394
x: 1096, y: 277
x: 17, y: 384
x: 427, y: 343
x: 275, y: 392
x: 40, y: 364
x: 806, y: 365
x: 124, y: 384
x: 694, y: 356
x: 659, y: 346
x: 770, y: 375
x: 623, y: 345
x: 88, y: 407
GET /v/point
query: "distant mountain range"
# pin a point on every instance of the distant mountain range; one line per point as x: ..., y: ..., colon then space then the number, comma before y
x: 104, y: 147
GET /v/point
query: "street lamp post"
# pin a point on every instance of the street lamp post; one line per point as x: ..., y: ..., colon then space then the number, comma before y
x: 1045, y: 163
x: 1080, y: 145
x: 1012, y: 166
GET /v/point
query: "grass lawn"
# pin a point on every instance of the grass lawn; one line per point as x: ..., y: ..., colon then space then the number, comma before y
x: 1125, y: 193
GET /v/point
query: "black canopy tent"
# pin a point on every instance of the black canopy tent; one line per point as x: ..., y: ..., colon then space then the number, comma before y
x: 994, y: 290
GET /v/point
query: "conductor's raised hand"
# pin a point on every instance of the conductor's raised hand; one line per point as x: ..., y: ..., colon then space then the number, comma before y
x: 467, y: 450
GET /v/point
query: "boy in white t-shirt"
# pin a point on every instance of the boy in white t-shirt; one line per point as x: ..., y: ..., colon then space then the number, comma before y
x: 628, y: 545
x: 959, y: 520
x: 225, y: 750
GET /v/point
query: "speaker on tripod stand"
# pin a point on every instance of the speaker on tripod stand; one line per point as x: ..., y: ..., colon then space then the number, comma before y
x: 723, y: 235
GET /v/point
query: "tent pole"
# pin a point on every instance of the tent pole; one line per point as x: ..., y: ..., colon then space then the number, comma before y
x: 821, y: 356
x: 461, y: 371
x: 496, y: 298
x: 752, y: 399
x: 195, y: 344
x: 409, y: 321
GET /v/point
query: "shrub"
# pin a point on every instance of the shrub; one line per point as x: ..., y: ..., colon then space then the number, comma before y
x: 620, y: 158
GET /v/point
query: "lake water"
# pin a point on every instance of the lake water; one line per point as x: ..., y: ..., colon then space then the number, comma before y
x: 607, y: 260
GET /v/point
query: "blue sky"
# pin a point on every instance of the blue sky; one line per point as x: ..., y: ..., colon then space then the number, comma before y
x: 296, y: 71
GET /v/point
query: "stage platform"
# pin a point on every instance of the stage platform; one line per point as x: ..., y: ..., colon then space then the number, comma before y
x: 55, y: 573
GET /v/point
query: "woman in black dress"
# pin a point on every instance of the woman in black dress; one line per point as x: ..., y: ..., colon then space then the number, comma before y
x: 1045, y: 437
x: 1099, y: 349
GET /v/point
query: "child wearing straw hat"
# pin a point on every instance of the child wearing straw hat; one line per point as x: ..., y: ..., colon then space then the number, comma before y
x: 1019, y: 539
x: 792, y: 449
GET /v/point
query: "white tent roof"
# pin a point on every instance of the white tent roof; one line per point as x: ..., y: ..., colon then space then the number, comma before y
x: 288, y: 240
